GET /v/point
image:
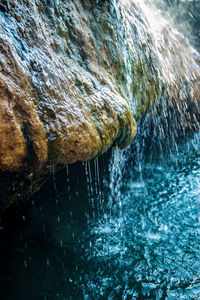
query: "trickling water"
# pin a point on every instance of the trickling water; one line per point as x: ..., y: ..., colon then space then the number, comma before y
x: 150, y: 246
x: 131, y: 231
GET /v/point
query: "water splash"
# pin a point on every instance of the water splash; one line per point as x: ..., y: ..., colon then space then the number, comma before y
x: 154, y: 241
x: 135, y: 235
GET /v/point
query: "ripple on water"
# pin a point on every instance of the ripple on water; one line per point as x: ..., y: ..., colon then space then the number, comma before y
x: 140, y: 241
x: 151, y: 245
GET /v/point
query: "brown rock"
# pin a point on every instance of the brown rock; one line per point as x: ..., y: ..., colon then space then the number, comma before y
x: 74, y: 74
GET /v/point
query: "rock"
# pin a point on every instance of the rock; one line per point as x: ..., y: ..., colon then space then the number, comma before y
x: 54, y: 109
x: 74, y: 76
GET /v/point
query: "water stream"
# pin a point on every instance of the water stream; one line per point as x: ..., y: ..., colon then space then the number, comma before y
x: 131, y: 234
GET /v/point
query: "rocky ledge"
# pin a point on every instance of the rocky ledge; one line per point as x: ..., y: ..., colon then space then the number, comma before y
x: 74, y: 76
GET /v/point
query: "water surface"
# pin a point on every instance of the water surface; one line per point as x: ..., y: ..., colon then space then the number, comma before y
x: 130, y: 233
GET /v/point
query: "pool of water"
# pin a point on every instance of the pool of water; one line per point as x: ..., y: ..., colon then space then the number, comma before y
x: 132, y: 232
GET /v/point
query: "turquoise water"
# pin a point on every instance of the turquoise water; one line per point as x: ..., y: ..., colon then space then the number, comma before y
x: 117, y: 228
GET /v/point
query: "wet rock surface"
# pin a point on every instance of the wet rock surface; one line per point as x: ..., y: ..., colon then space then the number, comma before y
x: 73, y: 75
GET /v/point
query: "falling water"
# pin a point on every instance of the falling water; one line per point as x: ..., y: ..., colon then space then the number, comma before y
x: 137, y: 239
x: 123, y: 226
